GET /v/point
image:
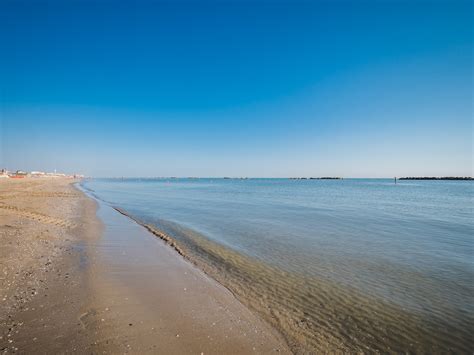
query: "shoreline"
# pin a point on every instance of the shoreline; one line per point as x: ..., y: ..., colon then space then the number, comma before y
x: 172, y: 244
x: 154, y: 231
x: 313, y: 315
x: 110, y: 287
x: 195, y: 312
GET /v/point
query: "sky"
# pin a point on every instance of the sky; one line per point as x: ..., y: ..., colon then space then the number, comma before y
x: 237, y: 88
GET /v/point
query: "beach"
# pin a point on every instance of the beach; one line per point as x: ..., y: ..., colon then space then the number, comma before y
x: 138, y: 266
x: 73, y: 282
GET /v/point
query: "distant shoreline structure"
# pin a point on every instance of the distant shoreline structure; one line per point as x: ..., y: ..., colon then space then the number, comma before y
x: 4, y: 173
x: 317, y: 178
x: 462, y: 178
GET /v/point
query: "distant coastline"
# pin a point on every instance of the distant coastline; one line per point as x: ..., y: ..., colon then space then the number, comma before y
x: 437, y: 178
x: 317, y: 178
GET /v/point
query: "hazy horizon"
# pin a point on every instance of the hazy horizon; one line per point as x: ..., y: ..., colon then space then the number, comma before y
x: 239, y: 89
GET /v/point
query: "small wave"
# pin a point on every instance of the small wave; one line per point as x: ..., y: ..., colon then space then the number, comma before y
x: 89, y: 192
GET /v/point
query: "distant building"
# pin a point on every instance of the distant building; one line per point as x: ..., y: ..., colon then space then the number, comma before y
x: 4, y: 173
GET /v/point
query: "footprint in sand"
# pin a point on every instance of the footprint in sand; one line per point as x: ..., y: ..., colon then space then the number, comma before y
x: 86, y: 319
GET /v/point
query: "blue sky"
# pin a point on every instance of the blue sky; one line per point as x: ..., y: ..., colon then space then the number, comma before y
x: 237, y: 88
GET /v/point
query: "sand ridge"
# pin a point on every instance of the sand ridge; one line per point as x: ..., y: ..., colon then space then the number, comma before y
x: 38, y: 216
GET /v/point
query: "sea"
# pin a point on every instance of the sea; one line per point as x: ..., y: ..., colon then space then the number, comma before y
x: 350, y: 265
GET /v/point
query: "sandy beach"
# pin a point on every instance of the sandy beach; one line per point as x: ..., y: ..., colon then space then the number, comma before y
x: 73, y: 282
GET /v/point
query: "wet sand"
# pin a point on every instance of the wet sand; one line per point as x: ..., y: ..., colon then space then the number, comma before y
x: 70, y: 283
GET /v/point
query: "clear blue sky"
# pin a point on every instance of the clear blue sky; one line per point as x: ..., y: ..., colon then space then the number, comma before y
x: 237, y: 88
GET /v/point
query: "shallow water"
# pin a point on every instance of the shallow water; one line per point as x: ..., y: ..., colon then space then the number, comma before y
x: 355, y: 264
x: 145, y: 296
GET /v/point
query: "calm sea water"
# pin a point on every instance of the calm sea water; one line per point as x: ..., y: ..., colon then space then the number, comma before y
x: 334, y: 264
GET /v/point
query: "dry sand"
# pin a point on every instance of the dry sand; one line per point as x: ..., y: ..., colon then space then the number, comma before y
x: 70, y: 283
